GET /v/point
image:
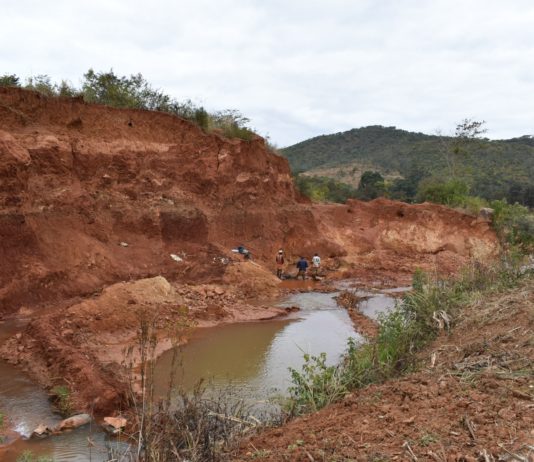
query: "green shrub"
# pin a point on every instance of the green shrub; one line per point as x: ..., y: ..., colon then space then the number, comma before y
x: 494, y: 169
x: 9, y: 80
x: 415, y: 321
x: 41, y: 83
x: 514, y: 224
x: 371, y: 185
x: 232, y: 124
x: 62, y: 398
x: 323, y: 189
x: 472, y: 204
x: 315, y: 386
x: 451, y: 192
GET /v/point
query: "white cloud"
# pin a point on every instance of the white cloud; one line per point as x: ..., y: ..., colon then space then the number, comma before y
x: 298, y: 68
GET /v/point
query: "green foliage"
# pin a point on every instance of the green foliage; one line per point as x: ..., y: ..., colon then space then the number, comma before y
x: 44, y: 85
x: 232, y: 124
x: 135, y: 92
x: 323, y: 189
x: 41, y: 83
x: 66, y: 90
x: 514, y: 224
x: 489, y: 168
x: 419, y: 279
x: 123, y: 92
x: 430, y: 307
x: 9, y: 80
x: 315, y: 386
x: 450, y: 192
x: 202, y: 118
x: 62, y: 399
x: 405, y: 189
x: 371, y: 185
x: 28, y: 456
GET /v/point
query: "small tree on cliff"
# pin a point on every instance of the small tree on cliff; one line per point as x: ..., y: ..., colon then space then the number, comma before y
x: 41, y: 83
x: 124, y: 92
x: 9, y: 80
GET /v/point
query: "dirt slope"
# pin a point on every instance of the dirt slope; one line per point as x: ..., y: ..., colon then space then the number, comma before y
x: 92, y: 196
x: 474, y: 404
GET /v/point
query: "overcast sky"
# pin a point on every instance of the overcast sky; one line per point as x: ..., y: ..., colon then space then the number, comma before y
x: 297, y: 68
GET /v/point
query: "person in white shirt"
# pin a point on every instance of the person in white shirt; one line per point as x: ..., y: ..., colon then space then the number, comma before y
x: 316, y: 264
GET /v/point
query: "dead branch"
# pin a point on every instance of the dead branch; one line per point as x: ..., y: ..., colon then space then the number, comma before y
x: 470, y: 427
x: 408, y: 449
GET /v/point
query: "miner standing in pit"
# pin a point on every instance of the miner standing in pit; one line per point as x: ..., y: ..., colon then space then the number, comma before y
x: 302, y: 266
x: 280, y: 263
x: 316, y: 264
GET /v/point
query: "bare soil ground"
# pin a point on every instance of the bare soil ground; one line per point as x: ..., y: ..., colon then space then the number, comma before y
x: 471, y: 400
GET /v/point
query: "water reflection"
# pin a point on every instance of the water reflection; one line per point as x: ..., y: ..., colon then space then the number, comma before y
x: 255, y: 357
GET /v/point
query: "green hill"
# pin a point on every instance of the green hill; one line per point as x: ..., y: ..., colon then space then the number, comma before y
x: 501, y: 169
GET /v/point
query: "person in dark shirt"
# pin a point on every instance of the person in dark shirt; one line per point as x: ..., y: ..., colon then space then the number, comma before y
x: 302, y: 266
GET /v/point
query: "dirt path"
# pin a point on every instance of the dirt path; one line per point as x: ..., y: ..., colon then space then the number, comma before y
x: 472, y: 400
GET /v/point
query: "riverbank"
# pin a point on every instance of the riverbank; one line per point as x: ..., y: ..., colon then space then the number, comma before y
x: 471, y: 399
x: 249, y: 358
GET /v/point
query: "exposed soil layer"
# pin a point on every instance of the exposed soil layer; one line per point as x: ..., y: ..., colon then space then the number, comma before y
x: 362, y: 324
x: 106, y: 212
x: 472, y: 400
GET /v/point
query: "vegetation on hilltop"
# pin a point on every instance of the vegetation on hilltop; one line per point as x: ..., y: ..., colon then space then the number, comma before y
x: 135, y: 92
x: 493, y: 170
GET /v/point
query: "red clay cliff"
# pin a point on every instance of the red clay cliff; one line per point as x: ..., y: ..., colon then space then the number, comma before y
x: 95, y: 200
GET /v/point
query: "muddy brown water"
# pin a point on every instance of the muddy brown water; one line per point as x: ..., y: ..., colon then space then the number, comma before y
x: 252, y: 358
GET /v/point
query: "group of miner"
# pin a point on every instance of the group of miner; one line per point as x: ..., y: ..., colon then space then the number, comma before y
x: 302, y: 265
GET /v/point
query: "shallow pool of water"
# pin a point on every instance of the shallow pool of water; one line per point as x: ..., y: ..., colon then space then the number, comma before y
x: 254, y: 358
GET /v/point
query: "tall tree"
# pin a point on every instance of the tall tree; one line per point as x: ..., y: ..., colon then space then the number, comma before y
x: 453, y: 149
x: 371, y: 185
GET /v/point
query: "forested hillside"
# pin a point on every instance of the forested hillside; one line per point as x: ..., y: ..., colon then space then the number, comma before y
x: 502, y: 169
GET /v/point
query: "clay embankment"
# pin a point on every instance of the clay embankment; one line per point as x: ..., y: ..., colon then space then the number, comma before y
x: 92, y: 196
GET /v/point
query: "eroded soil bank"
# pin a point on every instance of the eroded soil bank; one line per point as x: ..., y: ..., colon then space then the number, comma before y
x: 107, y: 214
x: 472, y: 400
x: 245, y: 361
